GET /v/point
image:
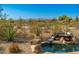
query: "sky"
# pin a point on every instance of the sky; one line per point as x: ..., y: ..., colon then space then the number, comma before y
x: 48, y: 11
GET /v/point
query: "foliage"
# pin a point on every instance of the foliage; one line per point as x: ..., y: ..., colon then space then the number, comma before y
x: 7, y: 33
x: 77, y: 18
x: 64, y: 18
x: 36, y: 30
x: 1, y: 10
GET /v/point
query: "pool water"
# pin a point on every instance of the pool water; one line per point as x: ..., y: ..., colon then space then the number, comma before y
x: 60, y: 48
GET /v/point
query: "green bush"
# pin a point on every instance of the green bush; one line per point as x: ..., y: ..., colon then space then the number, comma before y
x: 7, y: 33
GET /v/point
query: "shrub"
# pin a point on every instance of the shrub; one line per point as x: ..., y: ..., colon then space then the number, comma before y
x: 14, y: 48
x: 36, y: 30
x: 7, y: 33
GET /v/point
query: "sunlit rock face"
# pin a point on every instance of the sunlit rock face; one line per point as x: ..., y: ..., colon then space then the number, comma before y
x: 63, y: 38
x: 36, y: 46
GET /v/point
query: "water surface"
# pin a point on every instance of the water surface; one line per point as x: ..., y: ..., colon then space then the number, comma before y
x: 60, y: 48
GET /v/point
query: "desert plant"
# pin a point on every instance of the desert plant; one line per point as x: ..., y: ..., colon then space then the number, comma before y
x: 14, y: 48
x: 36, y: 30
x: 7, y: 33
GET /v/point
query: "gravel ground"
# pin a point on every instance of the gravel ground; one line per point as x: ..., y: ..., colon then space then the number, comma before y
x: 25, y: 48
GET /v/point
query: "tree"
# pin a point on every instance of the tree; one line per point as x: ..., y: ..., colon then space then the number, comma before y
x: 70, y: 19
x: 20, y: 22
x: 64, y: 18
x: 4, y: 16
x: 77, y: 18
x: 60, y: 18
x: 1, y: 10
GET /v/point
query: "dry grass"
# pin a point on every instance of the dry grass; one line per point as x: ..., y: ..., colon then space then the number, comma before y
x: 24, y: 47
x: 14, y: 48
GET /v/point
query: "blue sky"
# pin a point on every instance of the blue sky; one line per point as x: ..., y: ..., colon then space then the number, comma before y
x: 40, y: 10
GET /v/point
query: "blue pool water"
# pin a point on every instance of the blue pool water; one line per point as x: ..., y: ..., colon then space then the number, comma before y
x: 60, y: 48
